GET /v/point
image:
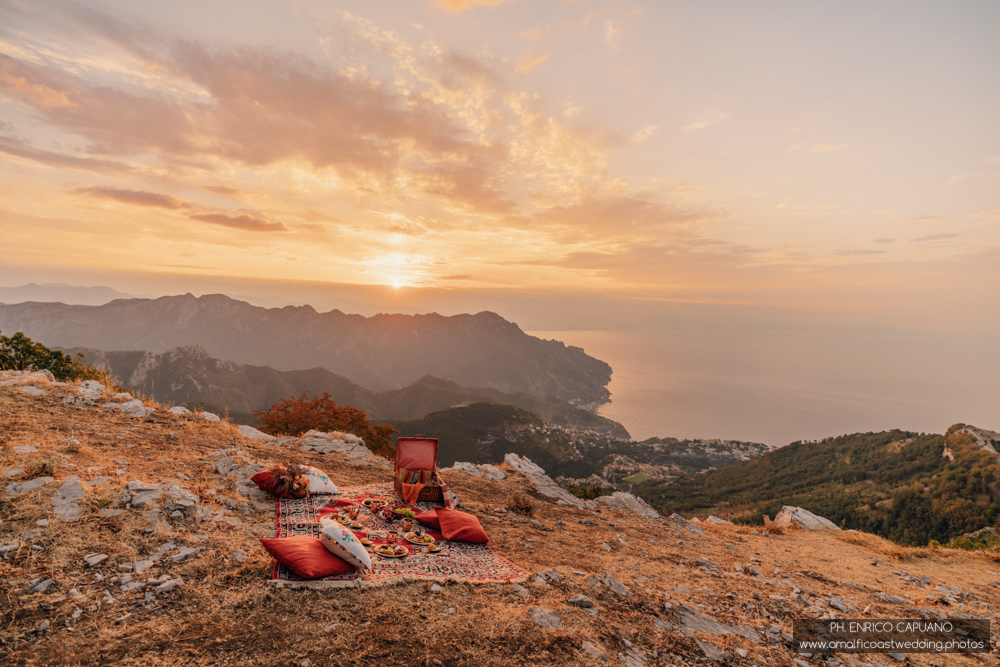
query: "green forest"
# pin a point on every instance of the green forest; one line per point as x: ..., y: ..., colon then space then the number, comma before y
x: 896, y: 484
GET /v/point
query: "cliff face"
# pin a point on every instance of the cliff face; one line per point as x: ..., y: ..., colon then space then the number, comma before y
x: 380, y: 352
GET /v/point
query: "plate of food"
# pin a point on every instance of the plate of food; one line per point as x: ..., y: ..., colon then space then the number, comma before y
x: 343, y: 519
x: 424, y: 539
x: 387, y: 551
x: 366, y: 543
x: 357, y: 525
x: 433, y: 549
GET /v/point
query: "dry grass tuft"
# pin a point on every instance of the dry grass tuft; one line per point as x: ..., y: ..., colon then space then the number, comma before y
x: 521, y: 504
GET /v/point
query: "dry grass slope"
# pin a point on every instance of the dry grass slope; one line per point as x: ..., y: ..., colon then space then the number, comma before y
x: 226, y: 612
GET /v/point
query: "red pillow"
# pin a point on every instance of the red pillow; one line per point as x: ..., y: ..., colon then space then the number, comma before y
x: 461, y: 527
x: 429, y: 518
x: 265, y: 481
x: 306, y: 556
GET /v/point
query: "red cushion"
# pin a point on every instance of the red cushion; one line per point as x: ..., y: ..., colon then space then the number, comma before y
x: 306, y: 556
x: 429, y: 518
x: 461, y: 527
x: 265, y: 481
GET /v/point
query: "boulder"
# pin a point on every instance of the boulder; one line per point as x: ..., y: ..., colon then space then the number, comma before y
x: 547, y: 619
x: 680, y: 523
x: 179, y: 411
x: 91, y: 389
x: 797, y: 516
x: 542, y: 482
x: 252, y: 433
x: 142, y: 494
x: 628, y: 502
x: 16, y: 489
x: 716, y: 520
x: 65, y: 505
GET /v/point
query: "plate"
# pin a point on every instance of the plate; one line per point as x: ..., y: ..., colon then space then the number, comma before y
x: 357, y: 525
x: 343, y: 520
x: 433, y: 553
x: 422, y: 543
x: 379, y: 548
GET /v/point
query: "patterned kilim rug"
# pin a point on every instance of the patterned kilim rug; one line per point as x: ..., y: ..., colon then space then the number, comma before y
x: 459, y: 561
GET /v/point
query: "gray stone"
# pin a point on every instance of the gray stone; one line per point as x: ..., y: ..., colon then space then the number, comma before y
x: 542, y: 482
x: 627, y: 501
x: 93, y: 560
x: 184, y: 553
x: 91, y: 389
x: 253, y: 434
x: 179, y: 411
x: 133, y: 585
x: 107, y: 512
x: 42, y: 522
x: 17, y: 488
x: 594, y: 651
x: 521, y: 590
x: 142, y: 494
x: 547, y: 619
x: 797, y: 516
x: 493, y: 473
x: 135, y: 409
x: 7, y: 548
x: 65, y: 506
x: 141, y: 566
x: 716, y: 520
x: 581, y: 601
x: 680, y: 523
x: 43, y: 586
x: 239, y: 555
x: 710, y: 652
x: 898, y: 657
x: 33, y: 391
x: 12, y: 472
x: 168, y: 586
x: 612, y: 582
x: 44, y: 625
x: 209, y: 417
x: 226, y: 465
x: 25, y: 449
x: 838, y: 604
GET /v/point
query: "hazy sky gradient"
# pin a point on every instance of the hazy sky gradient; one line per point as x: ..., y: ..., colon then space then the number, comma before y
x: 839, y: 160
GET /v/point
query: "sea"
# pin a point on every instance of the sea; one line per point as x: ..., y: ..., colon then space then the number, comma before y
x: 779, y: 384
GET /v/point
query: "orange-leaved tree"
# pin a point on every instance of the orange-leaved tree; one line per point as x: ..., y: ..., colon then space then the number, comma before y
x: 295, y: 416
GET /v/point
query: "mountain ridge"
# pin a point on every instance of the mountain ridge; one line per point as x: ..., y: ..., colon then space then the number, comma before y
x: 386, y: 351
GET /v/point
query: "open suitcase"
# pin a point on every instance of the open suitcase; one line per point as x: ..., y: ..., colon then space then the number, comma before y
x: 416, y: 460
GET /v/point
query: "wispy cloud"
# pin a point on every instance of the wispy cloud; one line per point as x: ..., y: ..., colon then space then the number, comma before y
x: 933, y: 237
x: 994, y: 214
x: 885, y: 240
x: 534, y: 34
x: 528, y: 63
x: 135, y: 197
x: 245, y: 222
x: 857, y: 251
x: 643, y: 134
x: 706, y: 119
x: 457, y: 6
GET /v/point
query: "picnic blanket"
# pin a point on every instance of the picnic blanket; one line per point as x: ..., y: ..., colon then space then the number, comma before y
x: 459, y: 561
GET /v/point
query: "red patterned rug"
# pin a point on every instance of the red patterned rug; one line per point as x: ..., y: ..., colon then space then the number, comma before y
x: 458, y: 561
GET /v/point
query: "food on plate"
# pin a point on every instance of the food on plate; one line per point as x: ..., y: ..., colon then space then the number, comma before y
x: 433, y: 548
x: 428, y: 538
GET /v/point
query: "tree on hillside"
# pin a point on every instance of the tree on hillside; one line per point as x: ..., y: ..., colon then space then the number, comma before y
x: 295, y: 416
x: 20, y: 353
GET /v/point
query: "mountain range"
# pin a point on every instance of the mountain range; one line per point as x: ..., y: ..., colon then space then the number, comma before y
x: 189, y: 375
x: 909, y: 487
x: 380, y: 353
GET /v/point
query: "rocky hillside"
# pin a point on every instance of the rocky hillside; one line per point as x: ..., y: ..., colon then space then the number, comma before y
x: 909, y: 487
x: 381, y: 352
x: 128, y: 536
x: 583, y: 453
x: 189, y: 375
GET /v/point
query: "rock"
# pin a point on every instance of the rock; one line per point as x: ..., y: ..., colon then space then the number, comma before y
x: 838, y: 604
x: 716, y: 520
x: 12, y: 472
x: 797, y: 516
x: 141, y: 566
x: 253, y: 434
x: 612, y: 582
x: 44, y: 625
x: 142, y: 494
x: 179, y: 411
x: 43, y: 586
x: 65, y: 506
x: 710, y: 652
x: 542, y: 482
x: 168, y: 586
x: 184, y: 553
x: 91, y: 389
x: 680, y: 523
x: 521, y: 590
x: 108, y: 512
x: 239, y: 555
x: 466, y: 467
x: 627, y: 501
x: 493, y: 473
x: 16, y: 489
x: 436, y: 588
x: 42, y: 522
x: 180, y: 499
x: 93, y: 560
x: 633, y: 657
x: 209, y: 417
x: 135, y: 409
x: 33, y: 391
x: 594, y: 651
x: 547, y: 619
x: 226, y: 465
x: 898, y: 657
x: 581, y: 601
x: 25, y: 449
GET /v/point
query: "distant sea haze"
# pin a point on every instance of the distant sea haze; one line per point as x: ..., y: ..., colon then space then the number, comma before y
x: 777, y: 385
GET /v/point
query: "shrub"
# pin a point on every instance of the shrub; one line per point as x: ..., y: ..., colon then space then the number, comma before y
x: 521, y: 504
x: 295, y: 416
x: 587, y: 492
x: 20, y: 353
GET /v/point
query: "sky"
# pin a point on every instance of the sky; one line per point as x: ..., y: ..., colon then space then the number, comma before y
x: 581, y: 161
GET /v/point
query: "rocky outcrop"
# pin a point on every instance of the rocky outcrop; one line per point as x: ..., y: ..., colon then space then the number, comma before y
x: 626, y: 501
x: 491, y: 472
x: 543, y: 483
x: 796, y: 516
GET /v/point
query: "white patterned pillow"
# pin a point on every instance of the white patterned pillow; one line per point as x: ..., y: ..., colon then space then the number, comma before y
x: 319, y: 482
x: 341, y: 542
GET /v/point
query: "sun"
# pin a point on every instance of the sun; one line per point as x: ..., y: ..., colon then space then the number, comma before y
x: 397, y: 283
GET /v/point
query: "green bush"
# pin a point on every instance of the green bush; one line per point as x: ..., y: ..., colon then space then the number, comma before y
x: 587, y: 492
x: 20, y: 353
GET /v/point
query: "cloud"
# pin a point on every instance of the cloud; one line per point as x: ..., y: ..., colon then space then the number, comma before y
x: 534, y: 34
x: 14, y: 80
x: 135, y: 197
x: 933, y: 237
x: 885, y: 240
x: 225, y: 190
x: 994, y: 214
x: 708, y: 118
x: 827, y: 148
x: 643, y: 134
x: 457, y: 6
x: 584, y: 22
x: 21, y: 149
x: 527, y: 64
x: 245, y: 222
x: 857, y: 251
